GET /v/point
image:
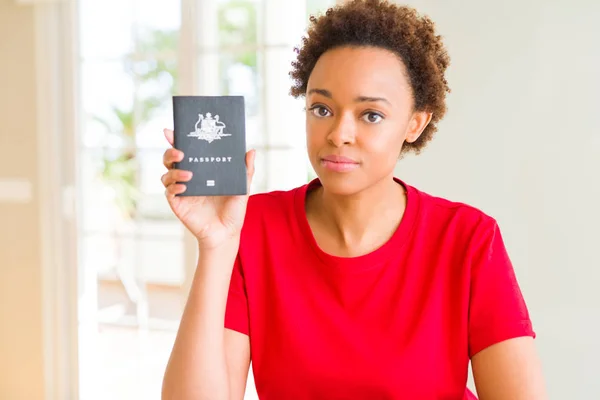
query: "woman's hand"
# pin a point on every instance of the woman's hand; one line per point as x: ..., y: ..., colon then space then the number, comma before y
x: 213, y: 220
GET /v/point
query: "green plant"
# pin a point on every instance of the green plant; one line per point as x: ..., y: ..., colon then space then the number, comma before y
x: 153, y: 60
x: 237, y: 27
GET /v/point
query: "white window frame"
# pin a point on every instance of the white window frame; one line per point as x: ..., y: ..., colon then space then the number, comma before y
x: 57, y: 110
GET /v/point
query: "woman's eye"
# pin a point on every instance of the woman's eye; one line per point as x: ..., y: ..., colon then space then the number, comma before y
x: 372, y: 118
x: 320, y: 111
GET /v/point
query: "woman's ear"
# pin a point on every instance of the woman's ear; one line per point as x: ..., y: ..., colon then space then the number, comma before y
x: 417, y: 125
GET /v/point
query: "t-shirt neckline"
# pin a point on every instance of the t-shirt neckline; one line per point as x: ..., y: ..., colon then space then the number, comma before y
x: 365, y: 261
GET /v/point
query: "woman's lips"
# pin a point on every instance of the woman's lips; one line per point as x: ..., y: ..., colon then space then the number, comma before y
x: 339, y: 163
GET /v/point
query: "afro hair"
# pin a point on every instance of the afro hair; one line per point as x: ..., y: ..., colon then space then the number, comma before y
x: 382, y: 24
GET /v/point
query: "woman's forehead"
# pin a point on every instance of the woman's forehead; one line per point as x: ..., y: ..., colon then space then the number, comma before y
x: 354, y: 72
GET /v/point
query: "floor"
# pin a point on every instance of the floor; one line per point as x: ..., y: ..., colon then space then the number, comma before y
x: 118, y: 360
x: 124, y: 363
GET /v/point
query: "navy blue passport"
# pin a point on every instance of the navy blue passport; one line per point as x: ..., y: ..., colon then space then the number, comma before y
x: 211, y: 132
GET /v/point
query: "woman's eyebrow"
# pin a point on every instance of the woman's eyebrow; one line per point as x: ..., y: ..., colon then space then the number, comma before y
x: 322, y: 92
x: 359, y: 99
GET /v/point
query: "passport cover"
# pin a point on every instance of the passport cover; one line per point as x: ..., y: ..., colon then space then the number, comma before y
x: 211, y: 132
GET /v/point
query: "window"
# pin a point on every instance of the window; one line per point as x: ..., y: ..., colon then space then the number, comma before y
x: 134, y: 55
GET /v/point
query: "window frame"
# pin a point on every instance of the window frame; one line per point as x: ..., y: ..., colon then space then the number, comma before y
x: 57, y: 73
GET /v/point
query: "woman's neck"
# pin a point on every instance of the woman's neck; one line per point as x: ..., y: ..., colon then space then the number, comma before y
x: 356, y: 224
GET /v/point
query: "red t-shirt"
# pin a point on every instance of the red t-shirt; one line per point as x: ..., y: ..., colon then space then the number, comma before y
x: 399, y: 323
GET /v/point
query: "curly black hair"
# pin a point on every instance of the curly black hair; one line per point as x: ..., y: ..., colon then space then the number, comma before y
x: 381, y: 24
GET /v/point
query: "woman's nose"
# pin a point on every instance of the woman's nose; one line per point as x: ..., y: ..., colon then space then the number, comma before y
x: 343, y: 131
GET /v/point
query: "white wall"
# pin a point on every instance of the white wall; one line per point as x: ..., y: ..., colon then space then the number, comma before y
x: 521, y: 140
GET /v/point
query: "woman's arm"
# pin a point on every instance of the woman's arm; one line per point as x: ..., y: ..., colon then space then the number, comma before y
x: 207, y: 360
x: 237, y: 353
x: 509, y: 370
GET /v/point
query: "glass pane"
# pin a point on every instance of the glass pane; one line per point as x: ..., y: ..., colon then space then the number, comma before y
x: 237, y: 21
x: 106, y: 28
x: 124, y: 96
x: 152, y: 205
x: 149, y: 132
x: 147, y: 253
x: 107, y: 190
x: 155, y: 75
x: 154, y: 68
x: 99, y: 252
x: 154, y: 104
x: 239, y: 76
x: 259, y: 181
x: 157, y: 15
x: 160, y: 248
x: 107, y: 103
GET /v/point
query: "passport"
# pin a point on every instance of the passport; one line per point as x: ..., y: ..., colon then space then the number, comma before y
x: 211, y: 133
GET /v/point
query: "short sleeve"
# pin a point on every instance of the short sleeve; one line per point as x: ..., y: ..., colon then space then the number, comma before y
x: 236, y: 311
x: 497, y: 310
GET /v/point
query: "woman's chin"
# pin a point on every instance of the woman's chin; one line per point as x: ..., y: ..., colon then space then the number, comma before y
x: 342, y: 185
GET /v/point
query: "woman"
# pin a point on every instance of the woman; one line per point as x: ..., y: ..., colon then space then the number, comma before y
x: 356, y: 285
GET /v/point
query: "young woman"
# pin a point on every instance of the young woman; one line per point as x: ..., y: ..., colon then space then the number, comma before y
x: 356, y: 285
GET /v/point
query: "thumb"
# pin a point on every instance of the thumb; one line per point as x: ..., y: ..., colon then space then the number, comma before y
x: 250, y: 157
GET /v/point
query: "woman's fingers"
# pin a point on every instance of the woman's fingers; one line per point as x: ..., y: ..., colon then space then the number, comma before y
x: 171, y: 179
x: 175, y: 189
x: 172, y: 156
x: 250, y: 157
x: 169, y: 135
x: 174, y: 176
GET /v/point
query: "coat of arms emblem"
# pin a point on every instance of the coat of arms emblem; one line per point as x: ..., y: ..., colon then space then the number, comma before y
x: 209, y: 128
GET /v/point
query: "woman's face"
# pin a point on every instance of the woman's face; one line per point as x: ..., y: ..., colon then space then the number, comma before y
x: 359, y: 112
